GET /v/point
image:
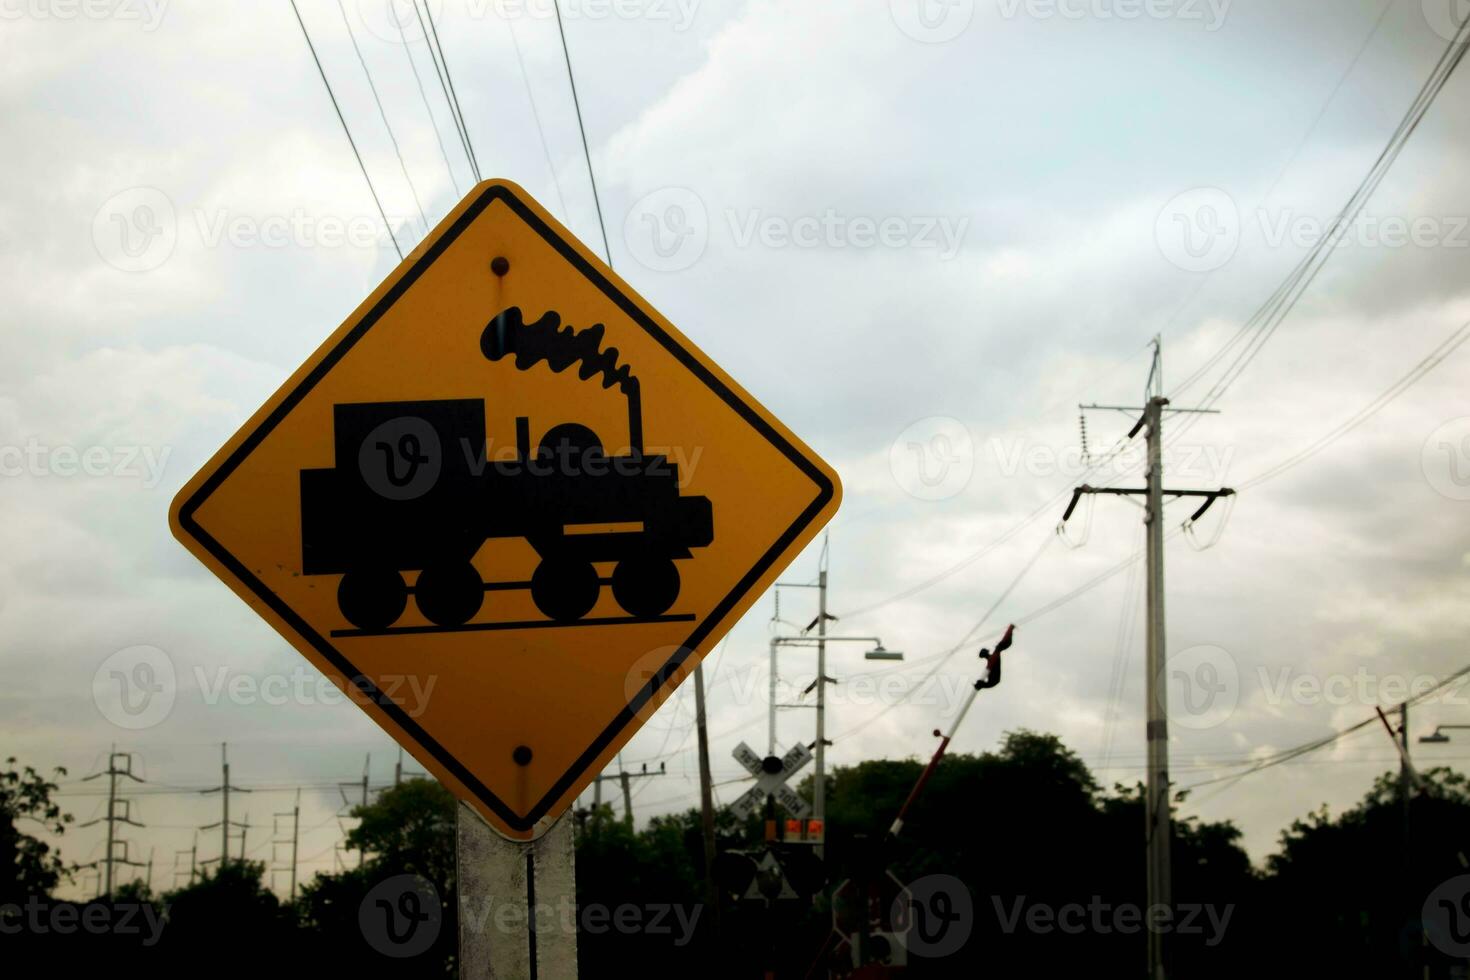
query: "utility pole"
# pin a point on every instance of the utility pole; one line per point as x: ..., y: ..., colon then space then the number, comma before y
x: 295, y: 816
x: 363, y: 784
x: 224, y: 823
x: 706, y: 793
x: 1158, y: 824
x: 193, y: 852
x: 819, y: 784
x: 624, y: 779
x: 1406, y: 792
x: 110, y: 858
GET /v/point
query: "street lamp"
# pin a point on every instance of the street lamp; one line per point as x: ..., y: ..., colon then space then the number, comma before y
x: 1438, y: 735
x: 878, y: 652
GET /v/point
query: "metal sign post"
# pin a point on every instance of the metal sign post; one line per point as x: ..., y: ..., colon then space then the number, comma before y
x: 517, y: 902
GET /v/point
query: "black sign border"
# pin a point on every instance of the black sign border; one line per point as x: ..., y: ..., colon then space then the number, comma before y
x: 500, y: 192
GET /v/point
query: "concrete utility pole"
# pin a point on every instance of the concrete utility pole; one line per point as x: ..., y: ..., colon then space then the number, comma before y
x: 363, y: 785
x: 624, y: 780
x: 1157, y: 810
x: 224, y: 824
x: 1158, y: 824
x: 295, y: 816
x: 193, y: 852
x: 819, y: 781
x: 110, y: 858
x: 706, y: 794
x: 820, y: 641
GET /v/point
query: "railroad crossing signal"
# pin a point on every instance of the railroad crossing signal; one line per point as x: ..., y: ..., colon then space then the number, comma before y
x: 770, y: 775
x: 508, y: 564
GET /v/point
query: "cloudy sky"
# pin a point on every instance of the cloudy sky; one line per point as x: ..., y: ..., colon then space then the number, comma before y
x: 920, y: 232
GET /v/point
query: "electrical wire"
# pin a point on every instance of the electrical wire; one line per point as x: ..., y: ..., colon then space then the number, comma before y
x: 510, y: 26
x: 342, y: 119
x: 1265, y: 321
x: 1430, y: 361
x: 582, y: 130
x: 446, y: 82
x: 1312, y: 746
x: 383, y: 115
x: 433, y: 120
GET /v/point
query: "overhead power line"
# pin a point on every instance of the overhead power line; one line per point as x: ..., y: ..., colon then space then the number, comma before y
x: 1262, y: 325
x: 1321, y: 743
x: 433, y: 119
x: 1431, y: 360
x: 383, y: 115
x: 582, y: 130
x: 343, y: 120
x: 430, y: 31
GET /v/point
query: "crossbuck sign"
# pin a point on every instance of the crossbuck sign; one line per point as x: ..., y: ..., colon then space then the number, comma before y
x: 770, y: 775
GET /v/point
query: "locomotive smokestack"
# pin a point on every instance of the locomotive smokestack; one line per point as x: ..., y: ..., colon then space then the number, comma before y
x: 507, y: 334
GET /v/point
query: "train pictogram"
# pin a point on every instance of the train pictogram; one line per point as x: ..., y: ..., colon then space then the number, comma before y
x: 413, y: 490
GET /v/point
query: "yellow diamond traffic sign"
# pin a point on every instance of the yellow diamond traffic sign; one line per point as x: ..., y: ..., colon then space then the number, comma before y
x: 508, y: 483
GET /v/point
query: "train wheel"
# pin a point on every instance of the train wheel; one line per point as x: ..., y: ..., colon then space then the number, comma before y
x: 646, y: 587
x: 449, y: 594
x: 564, y: 589
x: 372, y: 598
